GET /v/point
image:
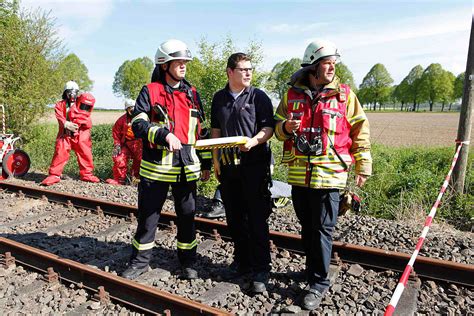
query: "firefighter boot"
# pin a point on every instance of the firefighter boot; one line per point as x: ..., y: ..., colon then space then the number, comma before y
x: 134, y: 272
x: 114, y: 182
x: 259, y: 282
x: 50, y: 180
x: 188, y: 273
x: 90, y: 178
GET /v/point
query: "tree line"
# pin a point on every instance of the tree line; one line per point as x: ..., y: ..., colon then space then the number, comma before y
x: 34, y: 65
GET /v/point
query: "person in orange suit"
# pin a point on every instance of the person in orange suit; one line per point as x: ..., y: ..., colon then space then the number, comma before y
x: 73, y: 114
x: 126, y: 147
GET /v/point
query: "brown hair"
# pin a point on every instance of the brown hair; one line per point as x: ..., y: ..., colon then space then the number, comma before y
x: 235, y: 58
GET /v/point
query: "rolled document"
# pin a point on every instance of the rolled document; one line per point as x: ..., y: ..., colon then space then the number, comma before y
x: 221, y: 142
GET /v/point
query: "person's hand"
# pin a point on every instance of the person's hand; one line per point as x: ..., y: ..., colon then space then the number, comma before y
x: 174, y: 143
x: 252, y: 142
x: 73, y: 127
x: 360, y: 180
x: 205, y: 175
x: 291, y: 125
x: 217, y: 170
x: 116, y: 151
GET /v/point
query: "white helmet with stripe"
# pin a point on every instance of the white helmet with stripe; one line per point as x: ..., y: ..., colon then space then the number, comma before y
x: 172, y: 50
x: 129, y: 103
x: 317, y: 50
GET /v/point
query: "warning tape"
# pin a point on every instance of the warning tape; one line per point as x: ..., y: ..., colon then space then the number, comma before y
x: 429, y: 219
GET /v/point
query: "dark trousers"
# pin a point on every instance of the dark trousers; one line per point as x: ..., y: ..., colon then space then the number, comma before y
x: 151, y: 197
x: 317, y: 211
x: 247, y: 205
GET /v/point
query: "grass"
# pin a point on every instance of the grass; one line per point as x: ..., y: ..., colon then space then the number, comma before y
x: 404, y: 185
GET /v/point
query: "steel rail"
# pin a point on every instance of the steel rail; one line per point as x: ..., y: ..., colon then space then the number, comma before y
x: 425, y: 267
x: 144, y: 298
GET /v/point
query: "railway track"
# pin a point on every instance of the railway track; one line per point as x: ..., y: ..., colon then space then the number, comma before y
x: 216, y: 232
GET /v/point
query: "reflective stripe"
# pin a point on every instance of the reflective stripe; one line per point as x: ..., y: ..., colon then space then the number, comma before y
x: 151, y: 133
x: 166, y: 157
x: 192, y: 127
x: 139, y: 246
x: 141, y: 116
x: 321, y: 177
x: 364, y: 155
x: 186, y: 246
x: 206, y: 155
x: 279, y: 117
x: 168, y: 173
x: 194, y: 155
x: 356, y: 119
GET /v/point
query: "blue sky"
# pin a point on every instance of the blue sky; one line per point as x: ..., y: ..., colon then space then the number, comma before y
x: 398, y: 34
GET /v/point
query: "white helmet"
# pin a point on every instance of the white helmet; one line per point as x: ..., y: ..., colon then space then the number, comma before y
x: 319, y: 49
x: 172, y: 50
x: 71, y: 85
x: 129, y: 103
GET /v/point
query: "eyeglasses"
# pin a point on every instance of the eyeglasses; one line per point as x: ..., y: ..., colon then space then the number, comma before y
x: 244, y: 69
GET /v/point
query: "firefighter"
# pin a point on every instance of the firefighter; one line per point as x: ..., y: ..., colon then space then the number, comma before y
x: 325, y: 131
x: 244, y: 172
x: 73, y: 114
x: 126, y: 147
x: 167, y: 117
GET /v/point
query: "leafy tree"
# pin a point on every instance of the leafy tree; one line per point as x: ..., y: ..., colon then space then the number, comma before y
x: 448, y: 95
x: 345, y: 75
x: 459, y: 85
x: 207, y: 70
x: 375, y: 88
x: 434, y: 84
x: 400, y: 94
x: 131, y: 76
x: 412, y: 81
x: 72, y: 68
x: 281, y: 74
x: 29, y: 55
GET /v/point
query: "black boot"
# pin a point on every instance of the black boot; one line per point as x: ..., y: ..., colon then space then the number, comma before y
x: 188, y: 273
x: 217, y: 210
x: 312, y: 299
x: 134, y: 272
x: 260, y: 282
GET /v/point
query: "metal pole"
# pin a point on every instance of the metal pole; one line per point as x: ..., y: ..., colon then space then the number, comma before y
x: 465, y: 118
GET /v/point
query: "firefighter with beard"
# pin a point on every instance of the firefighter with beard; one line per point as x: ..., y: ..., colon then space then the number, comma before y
x: 73, y: 114
x: 325, y: 131
x: 167, y: 117
x: 126, y: 147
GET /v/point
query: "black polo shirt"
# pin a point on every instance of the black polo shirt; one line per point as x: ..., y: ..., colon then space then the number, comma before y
x: 246, y: 115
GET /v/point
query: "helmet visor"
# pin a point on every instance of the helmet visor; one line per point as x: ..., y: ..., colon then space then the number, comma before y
x: 185, y: 54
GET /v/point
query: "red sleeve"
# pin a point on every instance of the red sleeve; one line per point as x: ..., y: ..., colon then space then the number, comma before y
x: 60, y: 111
x: 118, y: 130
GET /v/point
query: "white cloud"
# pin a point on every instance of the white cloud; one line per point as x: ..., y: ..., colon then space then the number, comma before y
x: 76, y: 19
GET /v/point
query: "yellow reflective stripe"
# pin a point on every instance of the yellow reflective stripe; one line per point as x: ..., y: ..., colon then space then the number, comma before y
x: 160, y: 168
x: 141, y: 116
x: 364, y: 155
x: 192, y: 168
x: 158, y: 176
x: 151, y: 133
x: 187, y: 246
x: 356, y: 119
x: 206, y: 155
x: 139, y: 246
x: 279, y: 117
x: 166, y: 157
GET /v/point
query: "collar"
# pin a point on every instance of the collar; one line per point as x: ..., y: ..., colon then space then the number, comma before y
x: 246, y: 90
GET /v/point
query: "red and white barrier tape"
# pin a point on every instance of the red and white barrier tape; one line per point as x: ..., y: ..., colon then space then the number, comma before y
x: 404, y: 279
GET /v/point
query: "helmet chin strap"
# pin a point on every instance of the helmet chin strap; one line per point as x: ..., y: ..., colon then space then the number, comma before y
x: 169, y: 73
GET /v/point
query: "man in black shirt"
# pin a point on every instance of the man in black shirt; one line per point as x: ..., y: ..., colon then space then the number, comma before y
x: 244, y: 172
